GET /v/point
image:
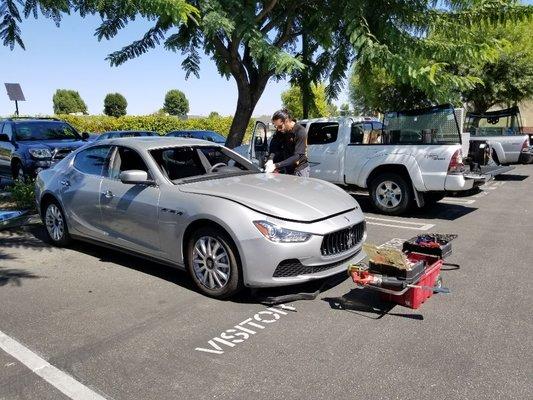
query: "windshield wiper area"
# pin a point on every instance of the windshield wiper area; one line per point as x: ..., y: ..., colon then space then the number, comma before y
x: 208, y: 177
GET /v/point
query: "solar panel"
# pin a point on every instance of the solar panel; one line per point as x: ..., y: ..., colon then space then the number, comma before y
x: 14, y: 91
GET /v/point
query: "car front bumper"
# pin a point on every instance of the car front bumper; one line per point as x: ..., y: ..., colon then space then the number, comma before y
x: 266, y: 263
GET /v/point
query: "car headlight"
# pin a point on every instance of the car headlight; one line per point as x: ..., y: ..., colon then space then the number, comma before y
x: 40, y: 153
x: 281, y: 235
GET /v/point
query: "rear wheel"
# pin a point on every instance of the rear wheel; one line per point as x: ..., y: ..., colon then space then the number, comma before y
x: 18, y: 172
x: 212, y: 262
x: 391, y: 194
x: 56, y: 224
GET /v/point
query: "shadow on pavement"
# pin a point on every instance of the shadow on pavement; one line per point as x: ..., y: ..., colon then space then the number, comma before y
x: 14, y: 276
x: 444, y: 211
x: 511, y: 177
x: 367, y: 304
x: 27, y: 237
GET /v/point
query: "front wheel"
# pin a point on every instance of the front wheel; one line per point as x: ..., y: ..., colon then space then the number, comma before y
x: 212, y: 262
x: 391, y: 194
x: 56, y: 224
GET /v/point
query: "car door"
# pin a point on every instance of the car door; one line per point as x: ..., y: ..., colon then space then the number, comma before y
x: 80, y: 191
x: 6, y: 149
x: 258, y: 144
x: 326, y: 150
x: 130, y: 211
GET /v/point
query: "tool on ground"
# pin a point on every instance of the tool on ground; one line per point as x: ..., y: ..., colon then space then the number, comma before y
x: 409, y: 276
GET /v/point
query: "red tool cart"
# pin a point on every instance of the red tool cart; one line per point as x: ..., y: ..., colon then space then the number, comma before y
x: 409, y: 288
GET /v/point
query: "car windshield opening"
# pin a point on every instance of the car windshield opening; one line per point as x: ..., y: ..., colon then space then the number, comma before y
x: 45, y: 130
x: 185, y: 164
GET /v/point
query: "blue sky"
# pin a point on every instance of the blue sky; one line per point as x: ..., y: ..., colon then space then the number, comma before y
x: 70, y: 57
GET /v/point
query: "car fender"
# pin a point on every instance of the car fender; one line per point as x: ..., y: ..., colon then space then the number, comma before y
x: 498, y: 149
x: 389, y: 159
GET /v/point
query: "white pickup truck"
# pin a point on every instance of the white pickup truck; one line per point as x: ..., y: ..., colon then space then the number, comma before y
x: 416, y: 157
x: 502, y: 130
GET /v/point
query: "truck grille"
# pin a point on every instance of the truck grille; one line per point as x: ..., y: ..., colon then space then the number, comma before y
x: 293, y: 267
x: 343, y: 240
x: 59, y: 154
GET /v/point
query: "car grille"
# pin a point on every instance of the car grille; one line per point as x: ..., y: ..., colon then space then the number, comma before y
x: 293, y: 267
x: 343, y: 240
x: 59, y: 154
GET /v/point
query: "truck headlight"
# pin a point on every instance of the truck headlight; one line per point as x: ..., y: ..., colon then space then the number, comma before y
x: 280, y: 235
x: 40, y: 153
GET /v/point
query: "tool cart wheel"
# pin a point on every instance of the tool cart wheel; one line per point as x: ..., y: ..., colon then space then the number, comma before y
x: 438, y: 283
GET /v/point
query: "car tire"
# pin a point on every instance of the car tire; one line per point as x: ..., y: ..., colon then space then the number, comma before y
x: 391, y: 194
x: 55, y: 224
x: 18, y: 172
x: 213, y: 263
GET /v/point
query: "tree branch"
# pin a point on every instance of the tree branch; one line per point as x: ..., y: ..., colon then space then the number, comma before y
x: 264, y: 12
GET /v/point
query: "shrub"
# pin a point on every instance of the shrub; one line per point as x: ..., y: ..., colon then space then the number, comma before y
x: 176, y: 103
x: 23, y: 194
x: 68, y: 101
x: 115, y: 105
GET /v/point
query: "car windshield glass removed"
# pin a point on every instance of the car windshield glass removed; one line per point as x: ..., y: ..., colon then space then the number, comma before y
x: 434, y: 125
x: 185, y: 164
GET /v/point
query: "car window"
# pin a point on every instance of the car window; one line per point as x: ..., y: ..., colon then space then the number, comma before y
x: 323, y: 133
x: 187, y: 162
x: 7, y: 130
x: 126, y: 159
x: 93, y: 161
x: 45, y: 130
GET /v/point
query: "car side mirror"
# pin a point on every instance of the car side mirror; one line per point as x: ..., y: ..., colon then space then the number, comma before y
x: 85, y: 136
x: 135, y: 177
x: 4, y: 137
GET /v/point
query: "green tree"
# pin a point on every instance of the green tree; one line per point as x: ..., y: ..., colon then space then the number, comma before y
x: 213, y: 114
x: 68, y: 101
x: 293, y: 100
x: 176, y: 103
x: 115, y: 105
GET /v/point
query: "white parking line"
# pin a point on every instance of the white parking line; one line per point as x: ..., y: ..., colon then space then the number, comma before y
x: 396, y: 223
x: 57, y: 378
x: 455, y: 200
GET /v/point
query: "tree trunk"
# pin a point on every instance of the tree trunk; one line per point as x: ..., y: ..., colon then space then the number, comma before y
x: 249, y: 95
x: 305, y: 86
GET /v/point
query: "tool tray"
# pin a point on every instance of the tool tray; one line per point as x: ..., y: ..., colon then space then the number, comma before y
x: 409, y: 276
x: 418, y: 244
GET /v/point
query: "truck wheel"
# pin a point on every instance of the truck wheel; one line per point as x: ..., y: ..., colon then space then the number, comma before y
x: 391, y: 194
x: 212, y: 262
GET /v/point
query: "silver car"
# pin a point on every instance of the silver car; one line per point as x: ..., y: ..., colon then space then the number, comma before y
x: 199, y: 206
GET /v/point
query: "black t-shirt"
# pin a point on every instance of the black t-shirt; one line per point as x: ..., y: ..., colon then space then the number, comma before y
x: 295, y: 148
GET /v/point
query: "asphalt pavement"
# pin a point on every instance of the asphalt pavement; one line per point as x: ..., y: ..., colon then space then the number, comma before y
x: 121, y: 327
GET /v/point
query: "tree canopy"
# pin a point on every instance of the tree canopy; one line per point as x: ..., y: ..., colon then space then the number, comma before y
x: 176, y: 103
x: 68, y: 102
x: 320, y: 106
x: 115, y: 105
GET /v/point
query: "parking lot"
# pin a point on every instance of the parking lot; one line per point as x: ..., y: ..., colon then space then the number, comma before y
x: 126, y: 328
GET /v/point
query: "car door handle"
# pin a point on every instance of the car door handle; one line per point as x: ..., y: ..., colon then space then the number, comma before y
x: 108, y: 194
x: 64, y: 182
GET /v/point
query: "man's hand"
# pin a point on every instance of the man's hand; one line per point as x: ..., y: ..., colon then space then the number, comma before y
x: 269, y: 166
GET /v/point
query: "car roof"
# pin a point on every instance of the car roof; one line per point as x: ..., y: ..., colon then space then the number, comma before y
x: 151, y: 142
x: 129, y: 131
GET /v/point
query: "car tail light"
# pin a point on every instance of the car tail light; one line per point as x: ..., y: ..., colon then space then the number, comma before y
x: 525, y: 145
x: 456, y: 163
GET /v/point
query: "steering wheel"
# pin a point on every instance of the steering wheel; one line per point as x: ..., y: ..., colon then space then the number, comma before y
x: 217, y: 165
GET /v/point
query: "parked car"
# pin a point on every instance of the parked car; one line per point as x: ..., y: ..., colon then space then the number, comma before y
x: 502, y: 129
x: 199, y: 206
x: 411, y: 158
x: 210, y: 136
x: 29, y: 145
x: 119, y: 134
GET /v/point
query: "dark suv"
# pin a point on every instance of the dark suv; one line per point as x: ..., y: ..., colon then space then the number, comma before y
x: 29, y: 145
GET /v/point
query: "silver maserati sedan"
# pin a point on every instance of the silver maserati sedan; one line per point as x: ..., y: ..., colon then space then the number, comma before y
x: 199, y: 206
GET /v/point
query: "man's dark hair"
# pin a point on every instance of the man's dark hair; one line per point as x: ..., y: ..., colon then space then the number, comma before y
x: 282, y: 114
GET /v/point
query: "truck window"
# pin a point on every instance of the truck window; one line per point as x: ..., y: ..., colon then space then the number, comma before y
x: 366, y: 133
x: 322, y: 133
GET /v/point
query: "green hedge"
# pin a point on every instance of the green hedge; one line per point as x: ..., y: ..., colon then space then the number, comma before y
x: 161, y: 124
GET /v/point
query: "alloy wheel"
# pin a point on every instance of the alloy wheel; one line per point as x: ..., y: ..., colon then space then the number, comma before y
x: 211, y: 263
x: 389, y: 194
x: 55, y: 225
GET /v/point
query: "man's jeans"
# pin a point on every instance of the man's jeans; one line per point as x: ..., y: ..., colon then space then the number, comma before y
x: 303, y: 173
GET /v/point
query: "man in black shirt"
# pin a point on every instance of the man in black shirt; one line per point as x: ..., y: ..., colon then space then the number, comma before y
x: 295, y: 145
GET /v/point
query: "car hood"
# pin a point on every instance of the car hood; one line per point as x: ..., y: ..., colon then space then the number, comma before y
x: 55, y: 144
x: 282, y: 196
